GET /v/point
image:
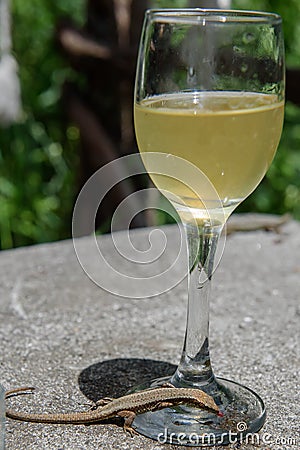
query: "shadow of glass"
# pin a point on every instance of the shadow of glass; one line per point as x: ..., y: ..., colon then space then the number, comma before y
x: 114, y: 377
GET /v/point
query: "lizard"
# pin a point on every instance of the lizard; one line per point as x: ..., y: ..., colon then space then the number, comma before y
x: 254, y: 222
x: 126, y: 406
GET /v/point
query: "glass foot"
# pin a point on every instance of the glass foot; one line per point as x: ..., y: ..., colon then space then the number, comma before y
x: 243, y: 412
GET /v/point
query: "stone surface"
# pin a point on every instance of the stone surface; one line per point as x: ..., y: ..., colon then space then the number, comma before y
x: 76, y: 342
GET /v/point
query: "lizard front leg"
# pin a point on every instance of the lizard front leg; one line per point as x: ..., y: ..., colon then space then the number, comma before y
x: 163, y: 404
x: 167, y: 385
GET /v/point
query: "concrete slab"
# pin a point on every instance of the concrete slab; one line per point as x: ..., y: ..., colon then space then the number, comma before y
x: 76, y: 342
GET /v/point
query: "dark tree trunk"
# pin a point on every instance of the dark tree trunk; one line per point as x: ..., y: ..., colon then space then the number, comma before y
x: 104, y: 52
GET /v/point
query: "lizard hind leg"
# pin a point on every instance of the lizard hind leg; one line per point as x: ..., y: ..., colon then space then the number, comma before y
x: 102, y: 402
x: 129, y: 417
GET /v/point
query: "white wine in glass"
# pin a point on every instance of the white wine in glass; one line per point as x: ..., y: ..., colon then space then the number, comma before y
x: 209, y: 91
x: 219, y: 132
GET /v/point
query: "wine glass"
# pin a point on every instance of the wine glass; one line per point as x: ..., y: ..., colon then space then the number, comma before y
x: 209, y: 93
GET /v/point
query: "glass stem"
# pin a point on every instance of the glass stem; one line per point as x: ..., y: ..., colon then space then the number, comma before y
x: 195, y: 369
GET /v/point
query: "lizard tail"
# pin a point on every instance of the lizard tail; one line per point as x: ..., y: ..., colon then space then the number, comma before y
x: 64, y: 418
x: 39, y: 418
x: 76, y: 418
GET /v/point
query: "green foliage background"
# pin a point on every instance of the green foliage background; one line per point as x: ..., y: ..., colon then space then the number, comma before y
x: 39, y: 155
x: 280, y: 190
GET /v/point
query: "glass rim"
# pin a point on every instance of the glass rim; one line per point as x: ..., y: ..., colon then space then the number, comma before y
x: 216, y: 15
